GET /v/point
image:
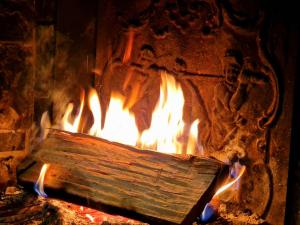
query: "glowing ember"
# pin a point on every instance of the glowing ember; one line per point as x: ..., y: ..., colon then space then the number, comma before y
x: 39, y: 185
x: 99, y: 217
x: 91, y: 218
x: 166, y: 129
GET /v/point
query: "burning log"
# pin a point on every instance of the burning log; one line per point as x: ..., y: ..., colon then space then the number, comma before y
x: 145, y: 185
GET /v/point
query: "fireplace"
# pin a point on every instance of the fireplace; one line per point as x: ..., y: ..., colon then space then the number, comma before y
x: 207, y: 79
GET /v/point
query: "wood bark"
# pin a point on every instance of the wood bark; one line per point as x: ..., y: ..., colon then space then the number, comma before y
x: 145, y: 185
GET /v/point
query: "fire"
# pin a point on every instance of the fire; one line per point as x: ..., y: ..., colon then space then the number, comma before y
x: 39, y: 185
x: 90, y: 217
x: 45, y: 124
x: 166, y: 133
x: 72, y: 127
x: 95, y: 108
x: 211, y: 208
x: 119, y: 125
x: 192, y: 140
x: 166, y: 130
x: 129, y: 46
x: 230, y: 183
x: 167, y: 123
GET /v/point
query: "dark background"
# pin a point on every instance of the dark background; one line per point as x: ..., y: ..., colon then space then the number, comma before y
x: 288, y: 13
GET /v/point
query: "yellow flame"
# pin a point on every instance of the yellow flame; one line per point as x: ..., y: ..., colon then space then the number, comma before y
x: 39, y: 185
x: 95, y: 108
x: 45, y: 124
x: 119, y: 125
x: 229, y: 184
x: 166, y: 129
x: 167, y: 123
x: 68, y: 126
x: 192, y: 140
x: 128, y: 50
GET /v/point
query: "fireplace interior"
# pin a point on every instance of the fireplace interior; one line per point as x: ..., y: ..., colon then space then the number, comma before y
x: 148, y: 112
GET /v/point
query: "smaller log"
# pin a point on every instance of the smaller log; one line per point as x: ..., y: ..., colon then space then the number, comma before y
x: 144, y: 185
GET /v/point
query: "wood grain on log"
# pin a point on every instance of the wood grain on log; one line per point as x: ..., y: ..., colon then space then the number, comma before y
x: 152, y: 186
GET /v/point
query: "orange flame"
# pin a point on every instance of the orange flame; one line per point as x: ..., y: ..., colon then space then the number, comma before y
x: 72, y: 127
x: 90, y: 217
x: 166, y: 128
x: 211, y: 208
x: 229, y: 184
x: 167, y: 123
x: 45, y: 124
x: 119, y: 125
x: 192, y: 140
x: 39, y: 185
x: 128, y: 50
x: 95, y: 108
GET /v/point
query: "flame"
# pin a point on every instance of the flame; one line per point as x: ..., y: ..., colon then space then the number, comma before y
x: 72, y: 127
x: 45, y: 124
x: 229, y: 184
x: 39, y: 185
x: 211, y: 208
x: 128, y: 50
x: 166, y: 130
x: 192, y: 140
x: 119, y: 125
x: 166, y: 124
x: 95, y: 108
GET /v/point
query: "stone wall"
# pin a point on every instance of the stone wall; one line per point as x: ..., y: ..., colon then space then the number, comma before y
x: 17, y: 53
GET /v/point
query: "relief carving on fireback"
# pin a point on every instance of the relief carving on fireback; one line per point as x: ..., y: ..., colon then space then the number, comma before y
x: 215, y: 50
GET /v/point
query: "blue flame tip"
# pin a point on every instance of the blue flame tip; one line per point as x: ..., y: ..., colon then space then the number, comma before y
x: 208, y: 213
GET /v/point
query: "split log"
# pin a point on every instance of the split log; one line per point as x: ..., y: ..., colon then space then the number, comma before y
x: 144, y: 185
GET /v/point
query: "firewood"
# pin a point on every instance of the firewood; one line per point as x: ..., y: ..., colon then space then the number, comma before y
x: 112, y: 177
